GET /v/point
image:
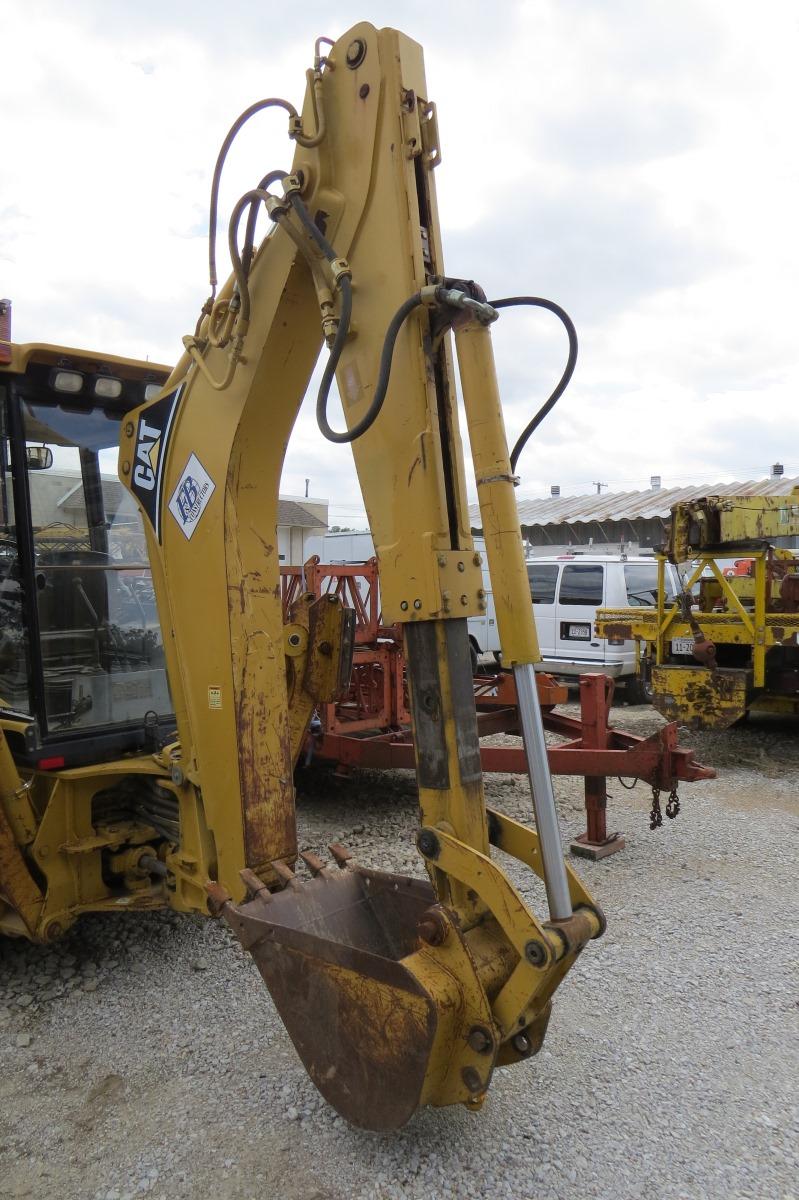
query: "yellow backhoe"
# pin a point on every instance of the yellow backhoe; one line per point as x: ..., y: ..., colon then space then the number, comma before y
x: 155, y: 702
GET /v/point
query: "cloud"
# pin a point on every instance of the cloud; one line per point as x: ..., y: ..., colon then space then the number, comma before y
x: 636, y: 162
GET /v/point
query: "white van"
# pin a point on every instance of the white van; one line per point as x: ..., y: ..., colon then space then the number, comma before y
x: 566, y: 591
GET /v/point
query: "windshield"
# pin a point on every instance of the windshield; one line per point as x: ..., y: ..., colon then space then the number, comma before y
x: 100, y: 638
x: 642, y: 584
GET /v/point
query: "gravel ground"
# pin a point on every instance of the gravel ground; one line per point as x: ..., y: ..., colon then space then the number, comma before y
x: 142, y: 1055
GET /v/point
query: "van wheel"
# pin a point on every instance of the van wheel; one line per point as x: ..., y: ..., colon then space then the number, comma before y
x: 473, y: 656
x: 638, y: 691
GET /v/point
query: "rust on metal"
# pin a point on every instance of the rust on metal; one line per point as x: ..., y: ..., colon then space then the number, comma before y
x: 313, y: 862
x: 618, y: 630
x: 331, y: 956
x: 704, y: 652
x: 433, y: 927
x: 218, y: 897
x: 254, y: 885
x: 285, y: 875
x: 699, y: 697
x: 340, y: 854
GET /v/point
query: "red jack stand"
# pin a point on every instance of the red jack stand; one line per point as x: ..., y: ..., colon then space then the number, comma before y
x: 596, y: 695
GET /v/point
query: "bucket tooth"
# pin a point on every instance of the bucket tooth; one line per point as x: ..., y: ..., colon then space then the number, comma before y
x: 340, y: 853
x: 286, y: 876
x: 255, y: 886
x: 313, y: 862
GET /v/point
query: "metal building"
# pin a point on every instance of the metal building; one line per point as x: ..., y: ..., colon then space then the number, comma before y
x: 618, y: 520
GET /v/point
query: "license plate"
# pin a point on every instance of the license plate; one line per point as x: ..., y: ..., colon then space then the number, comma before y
x: 682, y: 645
x: 580, y: 631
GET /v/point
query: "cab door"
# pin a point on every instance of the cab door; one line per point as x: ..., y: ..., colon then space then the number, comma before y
x: 581, y: 591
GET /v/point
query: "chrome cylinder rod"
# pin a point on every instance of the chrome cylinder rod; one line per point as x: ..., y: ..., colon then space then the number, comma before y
x: 546, y: 817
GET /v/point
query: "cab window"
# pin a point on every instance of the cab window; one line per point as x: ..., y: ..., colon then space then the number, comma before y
x: 543, y: 581
x: 14, y: 658
x: 641, y: 581
x: 101, y: 646
x: 582, y: 583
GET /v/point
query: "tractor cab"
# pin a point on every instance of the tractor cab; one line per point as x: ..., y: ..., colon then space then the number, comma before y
x: 81, y: 650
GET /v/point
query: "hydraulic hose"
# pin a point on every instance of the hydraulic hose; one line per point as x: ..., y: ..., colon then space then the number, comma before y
x: 252, y: 199
x: 387, y: 354
x: 241, y: 261
x: 248, y: 248
x: 271, y: 102
x: 539, y: 302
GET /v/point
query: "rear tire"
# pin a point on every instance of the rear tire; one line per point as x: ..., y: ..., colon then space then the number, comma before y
x: 638, y: 690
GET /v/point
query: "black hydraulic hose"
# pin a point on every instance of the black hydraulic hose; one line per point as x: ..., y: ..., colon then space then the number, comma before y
x: 387, y: 354
x: 255, y: 197
x: 384, y: 371
x: 299, y: 206
x: 271, y: 102
x: 242, y: 261
x: 539, y: 302
x: 248, y: 248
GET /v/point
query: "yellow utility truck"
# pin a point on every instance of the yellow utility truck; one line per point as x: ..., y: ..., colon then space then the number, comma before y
x: 726, y: 644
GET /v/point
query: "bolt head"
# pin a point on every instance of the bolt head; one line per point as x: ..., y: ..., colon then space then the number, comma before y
x: 128, y: 429
x: 522, y: 1044
x: 536, y: 953
x: 480, y: 1040
x: 433, y: 927
x: 404, y: 605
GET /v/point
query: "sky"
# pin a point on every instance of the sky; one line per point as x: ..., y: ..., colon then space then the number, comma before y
x: 634, y: 160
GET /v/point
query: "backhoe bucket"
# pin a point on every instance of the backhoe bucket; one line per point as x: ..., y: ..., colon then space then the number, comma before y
x: 334, y: 952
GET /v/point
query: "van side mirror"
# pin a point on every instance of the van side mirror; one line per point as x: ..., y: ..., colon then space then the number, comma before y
x: 39, y: 458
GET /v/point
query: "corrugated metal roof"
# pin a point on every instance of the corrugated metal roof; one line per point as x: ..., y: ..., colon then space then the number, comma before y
x: 619, y: 506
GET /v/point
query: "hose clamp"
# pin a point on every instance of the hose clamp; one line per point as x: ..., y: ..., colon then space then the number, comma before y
x: 277, y: 207
x: 484, y: 479
x: 340, y: 269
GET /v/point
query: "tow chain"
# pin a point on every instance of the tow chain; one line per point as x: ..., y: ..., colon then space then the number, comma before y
x: 672, y: 807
